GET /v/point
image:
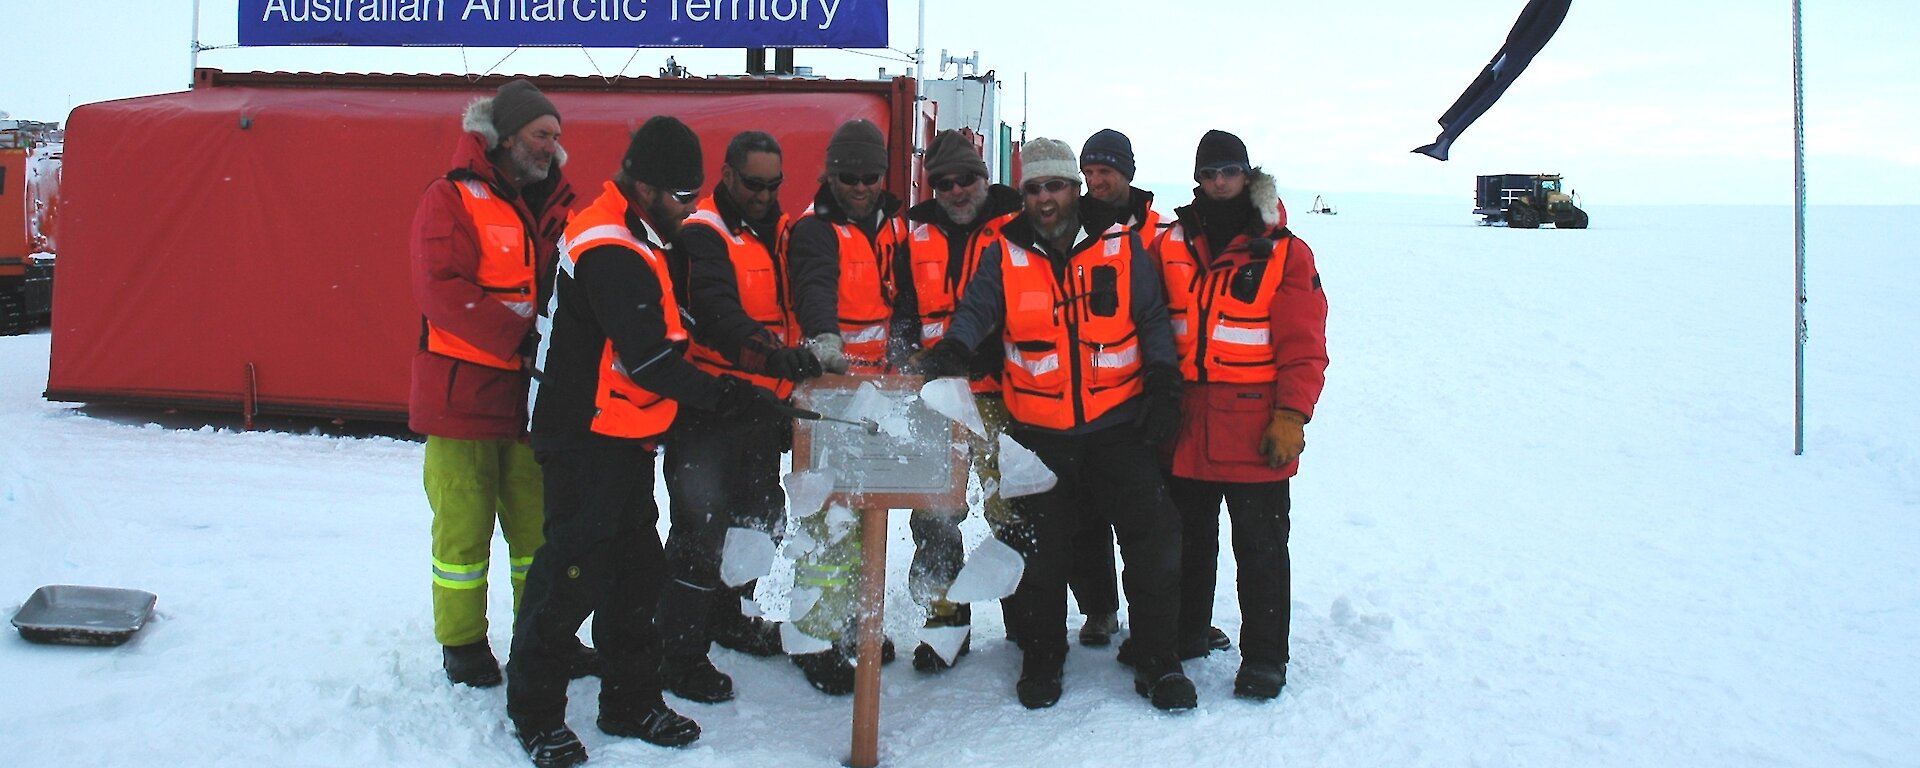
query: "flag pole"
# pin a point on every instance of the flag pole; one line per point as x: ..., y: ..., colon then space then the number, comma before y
x: 1799, y: 245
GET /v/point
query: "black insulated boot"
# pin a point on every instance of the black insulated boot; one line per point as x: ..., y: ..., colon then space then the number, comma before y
x: 654, y: 723
x: 1217, y: 639
x: 828, y: 671
x: 1039, y: 684
x: 553, y: 748
x: 1162, y: 683
x: 926, y: 659
x: 1260, y: 680
x: 694, y: 678
x: 1098, y: 631
x: 471, y: 665
x: 581, y: 660
x: 750, y: 635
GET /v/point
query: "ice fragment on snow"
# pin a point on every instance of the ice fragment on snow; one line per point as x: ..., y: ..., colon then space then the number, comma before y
x: 991, y: 573
x: 953, y: 398
x: 750, y: 608
x: 807, y: 490
x: 794, y: 642
x: 1022, y: 473
x: 945, y: 641
x: 799, y: 543
x: 747, y: 555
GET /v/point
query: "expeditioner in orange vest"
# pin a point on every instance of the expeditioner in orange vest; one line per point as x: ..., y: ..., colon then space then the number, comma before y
x: 1091, y: 382
x: 1251, y: 323
x: 609, y: 379
x: 482, y: 253
x: 724, y: 473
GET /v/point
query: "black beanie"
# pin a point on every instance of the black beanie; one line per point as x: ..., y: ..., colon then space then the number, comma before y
x: 951, y: 154
x: 1110, y: 148
x: 518, y: 103
x: 664, y: 154
x: 858, y: 147
x: 1219, y: 148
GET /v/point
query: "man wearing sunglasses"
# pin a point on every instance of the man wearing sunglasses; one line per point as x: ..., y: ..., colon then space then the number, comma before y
x: 1251, y: 324
x: 945, y: 238
x: 613, y: 378
x: 1091, y: 382
x: 723, y: 473
x: 839, y: 255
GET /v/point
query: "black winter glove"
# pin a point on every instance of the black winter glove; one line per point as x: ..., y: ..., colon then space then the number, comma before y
x: 1159, y: 417
x: 793, y: 364
x: 947, y: 358
x: 741, y: 400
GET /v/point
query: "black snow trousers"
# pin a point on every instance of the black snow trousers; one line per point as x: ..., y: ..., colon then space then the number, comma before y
x: 603, y: 557
x: 721, y: 473
x: 1118, y: 460
x: 1092, y: 579
x: 1259, y: 512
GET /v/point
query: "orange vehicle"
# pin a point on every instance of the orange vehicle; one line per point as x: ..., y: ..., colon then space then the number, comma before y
x: 29, y: 180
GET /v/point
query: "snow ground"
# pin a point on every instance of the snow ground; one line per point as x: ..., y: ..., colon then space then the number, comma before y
x: 1550, y: 516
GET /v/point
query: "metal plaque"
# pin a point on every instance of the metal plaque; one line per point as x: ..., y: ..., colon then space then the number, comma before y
x: 906, y: 460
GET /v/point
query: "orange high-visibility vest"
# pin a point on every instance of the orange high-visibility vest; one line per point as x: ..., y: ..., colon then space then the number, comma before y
x: 1220, y: 338
x: 621, y: 407
x: 938, y: 292
x: 506, y: 270
x: 866, y: 292
x: 1067, y: 365
x: 761, y: 276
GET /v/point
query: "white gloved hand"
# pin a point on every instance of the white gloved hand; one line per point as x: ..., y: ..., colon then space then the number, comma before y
x: 828, y: 348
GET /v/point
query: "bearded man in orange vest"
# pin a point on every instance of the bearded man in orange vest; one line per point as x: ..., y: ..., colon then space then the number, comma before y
x: 482, y: 249
x: 612, y: 379
x: 1251, y: 323
x: 1092, y: 383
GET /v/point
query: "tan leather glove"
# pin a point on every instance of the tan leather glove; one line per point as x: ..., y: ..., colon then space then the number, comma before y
x: 1285, y: 438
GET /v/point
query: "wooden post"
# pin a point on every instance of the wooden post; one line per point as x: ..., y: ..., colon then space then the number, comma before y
x: 872, y: 609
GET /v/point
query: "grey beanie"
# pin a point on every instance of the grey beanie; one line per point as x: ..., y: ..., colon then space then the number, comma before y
x: 1044, y: 158
x: 857, y: 147
x: 518, y: 103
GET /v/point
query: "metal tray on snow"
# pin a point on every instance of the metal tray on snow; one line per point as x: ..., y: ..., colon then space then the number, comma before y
x: 76, y: 615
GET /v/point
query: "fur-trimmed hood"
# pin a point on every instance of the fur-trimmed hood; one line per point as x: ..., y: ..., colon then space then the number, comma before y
x: 478, y: 119
x: 1265, y: 194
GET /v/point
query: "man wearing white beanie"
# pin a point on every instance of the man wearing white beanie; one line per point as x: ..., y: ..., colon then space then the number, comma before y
x: 1091, y: 382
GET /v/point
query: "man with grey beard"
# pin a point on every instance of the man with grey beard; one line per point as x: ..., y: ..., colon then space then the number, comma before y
x: 1092, y: 383
x: 483, y: 246
x: 945, y: 238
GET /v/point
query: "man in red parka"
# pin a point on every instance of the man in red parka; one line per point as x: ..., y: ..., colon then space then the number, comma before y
x: 482, y: 248
x: 1250, y: 322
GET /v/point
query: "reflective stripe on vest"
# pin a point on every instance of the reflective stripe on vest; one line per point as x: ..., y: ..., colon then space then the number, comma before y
x: 760, y: 277
x: 460, y: 576
x: 621, y: 407
x: 937, y: 289
x: 504, y: 271
x: 1236, y: 344
x: 1067, y: 365
x: 866, y: 292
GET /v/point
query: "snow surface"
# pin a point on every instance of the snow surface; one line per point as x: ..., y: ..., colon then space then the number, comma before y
x: 1549, y: 516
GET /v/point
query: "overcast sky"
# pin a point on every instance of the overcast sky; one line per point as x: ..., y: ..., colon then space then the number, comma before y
x: 1635, y: 101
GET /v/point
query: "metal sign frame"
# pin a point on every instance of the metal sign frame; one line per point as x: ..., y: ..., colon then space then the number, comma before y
x: 812, y: 440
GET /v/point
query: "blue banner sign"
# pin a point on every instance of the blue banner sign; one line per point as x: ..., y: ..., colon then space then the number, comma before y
x: 589, y: 23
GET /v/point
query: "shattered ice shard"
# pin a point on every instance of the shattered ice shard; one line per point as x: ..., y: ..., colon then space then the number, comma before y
x: 747, y: 555
x: 1022, y: 473
x: 991, y: 573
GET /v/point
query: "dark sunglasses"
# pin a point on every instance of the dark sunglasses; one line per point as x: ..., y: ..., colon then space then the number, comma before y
x: 1225, y: 172
x: 760, y: 185
x: 1035, y: 188
x: 684, y: 196
x: 853, y: 180
x: 947, y: 183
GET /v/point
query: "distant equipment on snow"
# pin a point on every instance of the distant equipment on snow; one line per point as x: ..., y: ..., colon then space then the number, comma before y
x: 1526, y: 200
x: 1320, y: 206
x: 29, y: 184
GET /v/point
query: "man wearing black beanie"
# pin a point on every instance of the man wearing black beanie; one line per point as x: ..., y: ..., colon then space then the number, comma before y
x: 1250, y: 322
x: 611, y: 379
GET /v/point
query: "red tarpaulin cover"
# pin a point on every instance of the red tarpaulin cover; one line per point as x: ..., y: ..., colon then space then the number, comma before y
x: 256, y: 226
